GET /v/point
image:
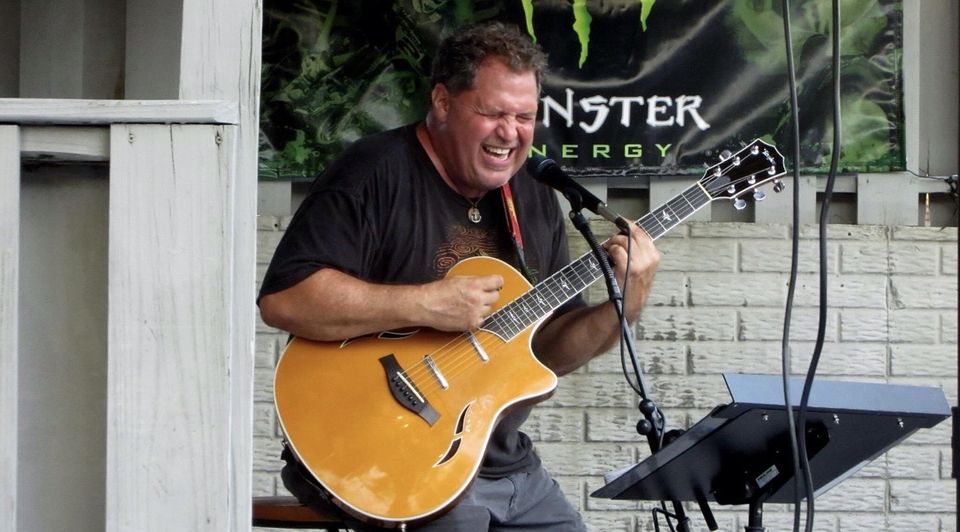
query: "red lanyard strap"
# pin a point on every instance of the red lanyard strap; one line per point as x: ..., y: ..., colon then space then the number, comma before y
x: 514, y: 223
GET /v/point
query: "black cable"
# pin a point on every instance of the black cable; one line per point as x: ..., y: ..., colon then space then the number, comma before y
x: 659, y: 421
x: 824, y: 218
x: 791, y: 287
x: 624, y: 333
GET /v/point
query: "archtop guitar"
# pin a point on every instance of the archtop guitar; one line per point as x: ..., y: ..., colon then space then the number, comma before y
x: 394, y: 426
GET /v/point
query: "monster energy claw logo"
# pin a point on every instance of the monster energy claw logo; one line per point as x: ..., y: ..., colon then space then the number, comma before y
x: 581, y: 22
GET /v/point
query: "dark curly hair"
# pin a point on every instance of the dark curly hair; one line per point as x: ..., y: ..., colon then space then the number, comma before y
x: 460, y: 54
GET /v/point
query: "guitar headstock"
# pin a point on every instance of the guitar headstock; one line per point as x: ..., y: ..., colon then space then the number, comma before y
x: 752, y: 166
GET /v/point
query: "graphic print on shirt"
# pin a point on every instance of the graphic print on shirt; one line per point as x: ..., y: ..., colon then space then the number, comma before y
x: 463, y: 242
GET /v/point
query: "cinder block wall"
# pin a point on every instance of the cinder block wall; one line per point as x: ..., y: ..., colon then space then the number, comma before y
x: 718, y: 306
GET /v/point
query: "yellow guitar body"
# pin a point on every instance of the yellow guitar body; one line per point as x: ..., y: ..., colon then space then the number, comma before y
x: 353, y: 412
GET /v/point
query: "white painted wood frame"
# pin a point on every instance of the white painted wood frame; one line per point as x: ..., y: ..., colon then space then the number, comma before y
x: 777, y: 207
x: 9, y: 298
x: 220, y: 53
x: 887, y: 199
x: 169, y: 426
x: 105, y: 112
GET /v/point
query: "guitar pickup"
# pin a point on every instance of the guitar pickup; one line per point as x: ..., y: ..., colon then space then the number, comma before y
x: 405, y: 392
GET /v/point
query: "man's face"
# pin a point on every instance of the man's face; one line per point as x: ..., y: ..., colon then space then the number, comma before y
x: 485, y: 133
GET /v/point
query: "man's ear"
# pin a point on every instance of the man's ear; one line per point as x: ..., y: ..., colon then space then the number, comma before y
x: 440, y: 101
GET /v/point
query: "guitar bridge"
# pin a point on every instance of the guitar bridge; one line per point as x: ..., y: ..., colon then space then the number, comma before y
x: 405, y: 392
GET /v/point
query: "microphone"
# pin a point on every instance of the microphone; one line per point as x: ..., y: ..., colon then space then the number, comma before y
x: 548, y: 172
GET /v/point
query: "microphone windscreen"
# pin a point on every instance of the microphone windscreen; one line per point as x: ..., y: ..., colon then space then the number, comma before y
x: 537, y: 165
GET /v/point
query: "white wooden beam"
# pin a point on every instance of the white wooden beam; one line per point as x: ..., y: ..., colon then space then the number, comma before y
x: 65, y: 144
x: 104, y: 112
x: 936, y: 48
x: 169, y: 425
x: 9, y: 297
x: 887, y: 199
x: 777, y: 207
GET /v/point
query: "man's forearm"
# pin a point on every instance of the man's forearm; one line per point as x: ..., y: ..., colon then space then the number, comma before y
x: 571, y: 340
x: 331, y: 305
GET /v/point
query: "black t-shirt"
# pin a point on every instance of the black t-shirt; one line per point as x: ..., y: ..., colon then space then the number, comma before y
x: 382, y: 213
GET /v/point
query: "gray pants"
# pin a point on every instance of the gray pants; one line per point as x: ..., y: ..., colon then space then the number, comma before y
x: 528, y: 501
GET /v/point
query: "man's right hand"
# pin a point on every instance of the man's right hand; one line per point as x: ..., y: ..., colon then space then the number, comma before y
x: 459, y: 303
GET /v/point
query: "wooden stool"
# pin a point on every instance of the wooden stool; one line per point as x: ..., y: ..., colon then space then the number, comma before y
x: 287, y: 512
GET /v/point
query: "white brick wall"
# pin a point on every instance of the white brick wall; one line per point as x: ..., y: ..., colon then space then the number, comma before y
x: 717, y: 306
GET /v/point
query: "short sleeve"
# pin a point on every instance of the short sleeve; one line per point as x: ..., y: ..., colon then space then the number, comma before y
x: 330, y: 229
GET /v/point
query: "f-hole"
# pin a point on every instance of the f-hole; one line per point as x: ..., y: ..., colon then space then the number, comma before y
x: 455, y: 444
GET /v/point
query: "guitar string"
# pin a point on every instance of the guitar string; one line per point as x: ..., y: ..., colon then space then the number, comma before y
x: 458, y: 355
x: 462, y: 355
x: 460, y: 346
x: 451, y: 364
x: 452, y: 357
x: 463, y: 348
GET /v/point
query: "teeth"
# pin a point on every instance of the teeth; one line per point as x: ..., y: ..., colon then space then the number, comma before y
x: 499, y: 152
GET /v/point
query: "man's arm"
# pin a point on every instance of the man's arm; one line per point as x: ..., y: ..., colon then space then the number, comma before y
x: 571, y: 340
x: 332, y: 305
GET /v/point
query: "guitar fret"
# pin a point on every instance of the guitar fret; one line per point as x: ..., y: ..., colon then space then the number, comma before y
x: 551, y: 293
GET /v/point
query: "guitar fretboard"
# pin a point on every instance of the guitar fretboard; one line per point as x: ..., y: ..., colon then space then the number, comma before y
x: 542, y: 299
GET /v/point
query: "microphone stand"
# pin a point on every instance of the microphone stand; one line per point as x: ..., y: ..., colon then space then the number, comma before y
x: 653, y: 421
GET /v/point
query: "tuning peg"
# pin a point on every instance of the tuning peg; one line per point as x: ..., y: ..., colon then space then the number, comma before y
x: 759, y: 195
x: 725, y: 154
x: 778, y: 185
x: 739, y: 204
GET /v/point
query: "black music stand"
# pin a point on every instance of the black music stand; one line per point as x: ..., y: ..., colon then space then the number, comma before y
x: 740, y: 453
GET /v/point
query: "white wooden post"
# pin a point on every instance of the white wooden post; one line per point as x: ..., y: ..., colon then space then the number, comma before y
x: 9, y: 292
x: 220, y: 60
x: 169, y: 432
x: 777, y: 207
x: 887, y: 199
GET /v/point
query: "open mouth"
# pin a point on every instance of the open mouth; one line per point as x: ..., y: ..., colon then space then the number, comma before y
x: 498, y: 153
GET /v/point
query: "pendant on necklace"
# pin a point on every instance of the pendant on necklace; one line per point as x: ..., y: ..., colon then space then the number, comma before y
x: 473, y: 214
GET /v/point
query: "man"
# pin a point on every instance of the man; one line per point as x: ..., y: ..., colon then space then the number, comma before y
x: 368, y: 249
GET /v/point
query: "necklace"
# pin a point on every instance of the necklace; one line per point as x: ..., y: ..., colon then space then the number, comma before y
x: 473, y: 213
x: 423, y: 135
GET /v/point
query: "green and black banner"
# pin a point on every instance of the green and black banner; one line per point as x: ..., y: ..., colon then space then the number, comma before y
x: 636, y: 87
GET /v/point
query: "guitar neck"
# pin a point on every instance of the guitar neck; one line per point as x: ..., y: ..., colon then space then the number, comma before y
x: 547, y: 296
